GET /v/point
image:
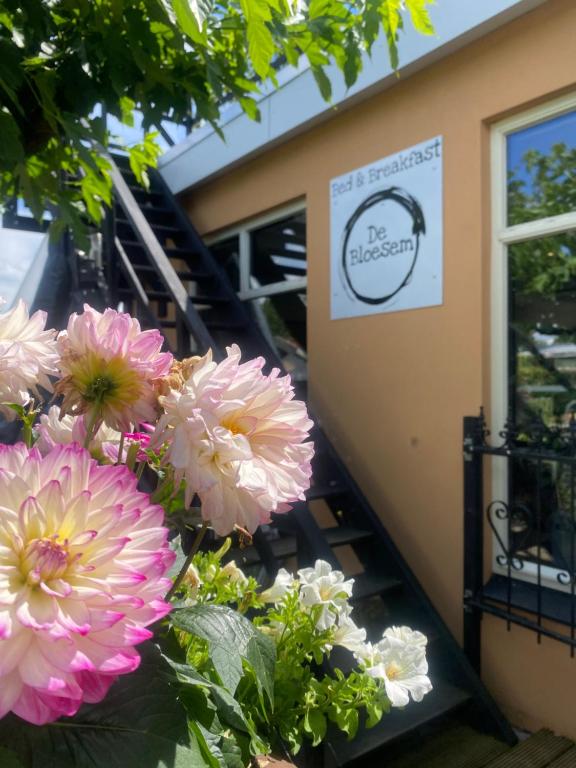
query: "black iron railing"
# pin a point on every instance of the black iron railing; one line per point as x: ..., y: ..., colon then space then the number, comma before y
x: 520, y: 501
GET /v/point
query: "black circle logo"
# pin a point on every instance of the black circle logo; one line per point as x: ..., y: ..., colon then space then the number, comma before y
x: 381, y: 245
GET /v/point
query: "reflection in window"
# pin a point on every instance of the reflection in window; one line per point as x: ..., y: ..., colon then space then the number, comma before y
x: 541, y: 163
x: 271, y: 280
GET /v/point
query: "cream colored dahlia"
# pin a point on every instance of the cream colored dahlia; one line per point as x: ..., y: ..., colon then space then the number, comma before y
x: 83, y: 557
x: 111, y: 369
x: 237, y: 437
x: 28, y: 356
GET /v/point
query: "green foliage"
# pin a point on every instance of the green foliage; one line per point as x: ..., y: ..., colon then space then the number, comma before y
x: 546, y: 265
x: 282, y: 692
x: 140, y: 723
x: 180, y: 59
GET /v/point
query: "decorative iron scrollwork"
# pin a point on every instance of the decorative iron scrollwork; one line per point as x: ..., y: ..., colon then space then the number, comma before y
x: 516, y: 516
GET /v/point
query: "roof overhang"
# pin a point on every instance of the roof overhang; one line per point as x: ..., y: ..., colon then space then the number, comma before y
x: 296, y: 105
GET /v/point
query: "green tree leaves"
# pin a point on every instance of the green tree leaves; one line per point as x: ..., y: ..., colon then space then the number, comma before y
x: 169, y: 59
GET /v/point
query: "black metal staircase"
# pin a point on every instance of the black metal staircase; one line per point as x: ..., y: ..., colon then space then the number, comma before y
x: 161, y: 270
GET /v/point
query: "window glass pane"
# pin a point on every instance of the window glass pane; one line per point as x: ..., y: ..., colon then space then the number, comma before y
x: 226, y: 254
x: 278, y: 252
x: 282, y: 319
x: 542, y: 375
x: 543, y: 329
x: 541, y: 165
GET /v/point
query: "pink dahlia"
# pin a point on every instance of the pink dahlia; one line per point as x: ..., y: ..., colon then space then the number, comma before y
x: 237, y: 437
x: 111, y: 368
x: 55, y: 429
x: 28, y: 356
x: 83, y: 557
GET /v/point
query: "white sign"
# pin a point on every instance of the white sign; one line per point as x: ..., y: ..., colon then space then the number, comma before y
x: 386, y: 234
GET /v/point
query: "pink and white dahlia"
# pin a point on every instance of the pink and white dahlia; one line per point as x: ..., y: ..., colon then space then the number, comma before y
x: 237, y: 438
x: 55, y: 429
x: 28, y: 356
x: 83, y: 558
x: 111, y: 368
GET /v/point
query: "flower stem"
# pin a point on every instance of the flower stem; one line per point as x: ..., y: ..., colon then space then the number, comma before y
x: 120, y: 448
x: 187, y: 563
x: 91, y: 428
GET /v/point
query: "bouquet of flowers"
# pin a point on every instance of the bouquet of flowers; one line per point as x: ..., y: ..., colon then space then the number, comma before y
x: 116, y: 648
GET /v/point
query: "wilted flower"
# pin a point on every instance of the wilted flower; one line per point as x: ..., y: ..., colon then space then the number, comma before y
x: 193, y: 582
x: 234, y: 574
x: 111, y: 368
x: 323, y: 586
x: 82, y: 561
x: 28, y: 356
x: 236, y: 437
x: 399, y: 659
x: 283, y: 583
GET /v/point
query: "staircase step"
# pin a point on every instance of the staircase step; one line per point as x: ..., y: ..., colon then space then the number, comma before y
x: 170, y: 229
x: 196, y: 275
x: 325, y: 491
x: 536, y: 752
x: 367, y: 585
x: 444, y: 698
x: 165, y: 296
x: 224, y: 325
x: 286, y: 546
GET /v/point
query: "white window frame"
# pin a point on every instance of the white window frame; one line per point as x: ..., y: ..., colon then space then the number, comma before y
x: 502, y: 237
x: 243, y: 232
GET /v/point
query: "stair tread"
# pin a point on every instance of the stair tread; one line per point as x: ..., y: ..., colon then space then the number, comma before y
x: 443, y: 698
x: 286, y: 546
x: 154, y: 225
x: 538, y: 751
x: 182, y: 274
x: 166, y: 296
x: 325, y: 490
x: 367, y: 585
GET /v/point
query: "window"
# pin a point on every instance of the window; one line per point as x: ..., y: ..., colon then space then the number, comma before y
x: 534, y: 326
x: 265, y: 260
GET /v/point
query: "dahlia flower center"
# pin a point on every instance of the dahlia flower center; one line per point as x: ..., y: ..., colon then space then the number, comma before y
x: 45, y: 559
x: 105, y: 382
x: 233, y: 424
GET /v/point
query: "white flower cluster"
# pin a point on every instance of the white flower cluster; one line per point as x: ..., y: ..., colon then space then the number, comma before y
x: 398, y: 659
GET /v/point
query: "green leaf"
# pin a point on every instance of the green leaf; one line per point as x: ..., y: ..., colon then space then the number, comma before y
x: 260, y: 46
x: 261, y: 655
x: 315, y: 725
x: 229, y: 636
x: 323, y: 83
x: 8, y: 759
x: 420, y: 16
x: 139, y: 723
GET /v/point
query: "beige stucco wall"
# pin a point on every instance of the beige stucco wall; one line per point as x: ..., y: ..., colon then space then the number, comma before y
x: 393, y: 388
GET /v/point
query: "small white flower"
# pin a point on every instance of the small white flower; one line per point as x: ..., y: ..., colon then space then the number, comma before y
x: 323, y: 586
x: 400, y: 660
x: 283, y: 583
x: 348, y: 635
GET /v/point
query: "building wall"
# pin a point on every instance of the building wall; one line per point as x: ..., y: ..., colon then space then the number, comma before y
x: 392, y: 389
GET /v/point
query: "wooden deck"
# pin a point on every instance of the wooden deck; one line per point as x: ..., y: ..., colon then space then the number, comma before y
x: 463, y: 747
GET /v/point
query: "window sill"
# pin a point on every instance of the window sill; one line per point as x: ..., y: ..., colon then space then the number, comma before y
x: 556, y: 606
